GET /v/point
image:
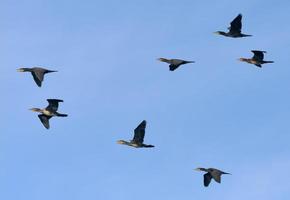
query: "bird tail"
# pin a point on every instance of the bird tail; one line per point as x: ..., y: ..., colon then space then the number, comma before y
x: 148, y: 145
x: 268, y: 61
x: 61, y: 115
x: 245, y: 35
x: 49, y: 71
x: 190, y: 61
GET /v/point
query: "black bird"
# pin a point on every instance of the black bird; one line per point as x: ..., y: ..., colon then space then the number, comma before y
x: 37, y: 73
x: 174, y: 63
x: 257, y: 59
x: 235, y: 30
x: 211, y: 173
x: 138, y: 138
x: 49, y: 111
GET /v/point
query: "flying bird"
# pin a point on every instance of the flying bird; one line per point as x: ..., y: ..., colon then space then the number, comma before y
x: 174, y: 63
x: 37, y: 73
x: 235, y: 30
x: 48, y: 112
x: 138, y: 138
x: 212, y: 173
x: 257, y: 59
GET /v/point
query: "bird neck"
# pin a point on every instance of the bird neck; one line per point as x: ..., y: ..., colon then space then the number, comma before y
x: 203, y: 169
x: 164, y: 60
x: 221, y: 33
x: 24, y: 69
x: 123, y: 142
x: 245, y: 60
x: 37, y: 110
x: 245, y: 35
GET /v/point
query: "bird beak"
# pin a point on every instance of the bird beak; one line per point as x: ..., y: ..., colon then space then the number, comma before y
x: 20, y: 70
x: 197, y: 169
x: 216, y: 33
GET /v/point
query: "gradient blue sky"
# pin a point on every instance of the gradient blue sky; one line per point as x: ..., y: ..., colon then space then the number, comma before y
x: 217, y: 112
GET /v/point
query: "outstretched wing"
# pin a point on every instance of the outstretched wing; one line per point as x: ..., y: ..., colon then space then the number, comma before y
x: 44, y: 120
x: 38, y: 76
x: 139, y: 132
x: 236, y: 25
x: 206, y: 179
x: 258, y: 55
x: 53, y: 104
x: 173, y: 67
x: 216, y: 175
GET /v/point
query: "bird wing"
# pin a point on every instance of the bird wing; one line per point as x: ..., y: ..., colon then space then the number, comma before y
x: 258, y: 55
x: 173, y: 67
x: 139, y: 132
x: 236, y: 25
x: 216, y: 175
x: 44, y: 120
x: 206, y: 179
x: 53, y: 104
x: 38, y: 76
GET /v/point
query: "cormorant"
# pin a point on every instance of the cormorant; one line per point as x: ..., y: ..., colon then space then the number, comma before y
x: 235, y: 29
x: 257, y: 59
x: 138, y: 139
x: 211, y: 173
x: 174, y: 63
x: 49, y: 111
x: 37, y: 73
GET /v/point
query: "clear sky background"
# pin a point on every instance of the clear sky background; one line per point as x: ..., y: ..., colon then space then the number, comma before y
x: 217, y: 112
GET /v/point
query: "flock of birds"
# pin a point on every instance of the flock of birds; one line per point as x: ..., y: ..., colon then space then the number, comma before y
x: 139, y: 132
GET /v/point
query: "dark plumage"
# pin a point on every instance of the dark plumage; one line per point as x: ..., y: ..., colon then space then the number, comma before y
x: 138, y: 138
x: 49, y: 111
x: 235, y: 30
x: 257, y: 59
x: 212, y: 173
x: 37, y: 73
x: 174, y: 63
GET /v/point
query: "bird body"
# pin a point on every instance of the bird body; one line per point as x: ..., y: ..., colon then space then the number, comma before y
x: 257, y: 59
x: 174, y: 63
x: 37, y: 73
x: 48, y: 112
x: 138, y: 139
x: 212, y: 173
x: 235, y: 29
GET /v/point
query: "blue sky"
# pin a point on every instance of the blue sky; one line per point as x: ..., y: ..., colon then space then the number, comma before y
x: 217, y: 112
